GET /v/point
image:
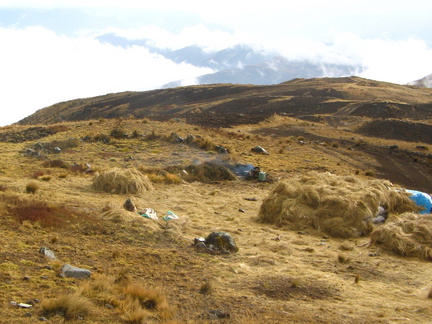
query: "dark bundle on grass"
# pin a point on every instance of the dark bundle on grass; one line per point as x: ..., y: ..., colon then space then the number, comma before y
x: 339, y: 206
x: 407, y: 234
x: 209, y: 171
x: 122, y: 181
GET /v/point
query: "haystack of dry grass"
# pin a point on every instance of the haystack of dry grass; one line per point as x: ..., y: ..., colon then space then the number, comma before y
x: 122, y: 181
x: 209, y: 171
x: 339, y: 206
x: 121, y: 215
x: 408, y: 234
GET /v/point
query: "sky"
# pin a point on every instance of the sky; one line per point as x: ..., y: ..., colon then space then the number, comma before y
x: 49, y: 51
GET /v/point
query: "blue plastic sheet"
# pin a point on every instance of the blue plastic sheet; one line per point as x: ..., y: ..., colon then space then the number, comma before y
x: 421, y: 199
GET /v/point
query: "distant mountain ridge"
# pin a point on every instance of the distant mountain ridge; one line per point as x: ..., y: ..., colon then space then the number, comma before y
x: 425, y: 82
x: 339, y: 102
x: 240, y: 64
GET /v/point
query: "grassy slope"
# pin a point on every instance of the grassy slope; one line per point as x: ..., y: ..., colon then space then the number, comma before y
x: 278, y: 275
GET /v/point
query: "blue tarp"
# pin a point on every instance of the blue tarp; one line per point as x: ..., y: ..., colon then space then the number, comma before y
x: 421, y: 199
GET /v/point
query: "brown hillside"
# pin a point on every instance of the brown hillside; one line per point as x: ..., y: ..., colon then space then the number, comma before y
x: 308, y: 249
x: 224, y: 105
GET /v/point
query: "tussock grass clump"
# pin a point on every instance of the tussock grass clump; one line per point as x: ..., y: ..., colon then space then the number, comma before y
x: 70, y: 306
x: 132, y: 301
x: 122, y: 181
x: 118, y: 132
x: 339, y: 206
x: 145, y: 302
x: 32, y: 187
x: 408, y: 234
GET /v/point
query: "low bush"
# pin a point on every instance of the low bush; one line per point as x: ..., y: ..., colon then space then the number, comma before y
x: 36, y: 211
x: 118, y: 133
x: 32, y: 187
x: 55, y: 164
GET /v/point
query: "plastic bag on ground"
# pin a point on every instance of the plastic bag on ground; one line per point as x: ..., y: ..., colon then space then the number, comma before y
x: 170, y: 215
x: 148, y: 213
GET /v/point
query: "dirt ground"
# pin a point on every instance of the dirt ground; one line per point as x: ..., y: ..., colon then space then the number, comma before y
x: 277, y: 276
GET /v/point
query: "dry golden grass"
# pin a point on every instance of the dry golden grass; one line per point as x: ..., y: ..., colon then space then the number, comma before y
x: 408, y: 234
x: 340, y: 206
x: 69, y: 306
x: 122, y: 181
x: 148, y: 272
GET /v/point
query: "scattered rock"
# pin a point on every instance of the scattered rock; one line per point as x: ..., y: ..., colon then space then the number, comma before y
x: 190, y: 138
x: 74, y: 272
x: 250, y: 199
x: 259, y: 150
x: 129, y: 206
x: 24, y: 305
x: 241, y: 210
x: 222, y: 149
x: 57, y: 150
x: 216, y: 243
x: 47, y: 252
x: 217, y: 313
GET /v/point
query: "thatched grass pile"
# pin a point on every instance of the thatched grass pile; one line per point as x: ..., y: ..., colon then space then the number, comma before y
x: 121, y: 215
x: 339, y: 206
x: 122, y: 181
x: 209, y: 171
x: 408, y: 234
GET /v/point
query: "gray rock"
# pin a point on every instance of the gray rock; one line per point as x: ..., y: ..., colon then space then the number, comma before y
x: 260, y: 150
x: 222, y: 241
x: 57, y: 150
x: 47, y: 252
x: 217, y: 313
x: 74, y: 272
x: 129, y: 206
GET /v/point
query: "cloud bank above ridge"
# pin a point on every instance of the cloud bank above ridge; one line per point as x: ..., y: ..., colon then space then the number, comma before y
x: 50, y: 52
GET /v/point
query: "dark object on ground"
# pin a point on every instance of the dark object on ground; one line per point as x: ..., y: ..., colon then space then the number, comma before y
x: 129, y: 206
x: 216, y: 243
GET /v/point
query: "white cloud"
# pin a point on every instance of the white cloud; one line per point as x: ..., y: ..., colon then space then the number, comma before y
x: 398, y: 61
x: 40, y: 68
x: 208, y: 39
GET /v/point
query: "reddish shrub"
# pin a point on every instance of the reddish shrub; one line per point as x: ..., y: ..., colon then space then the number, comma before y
x: 39, y: 211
